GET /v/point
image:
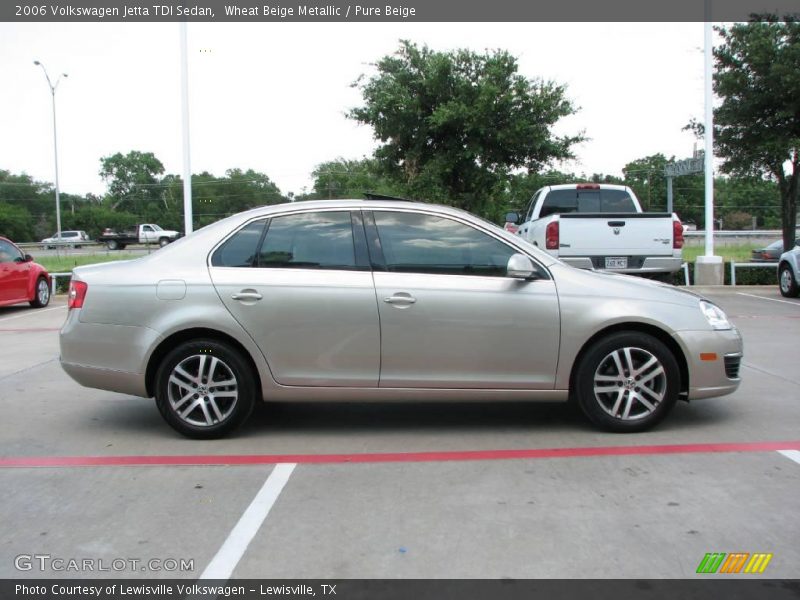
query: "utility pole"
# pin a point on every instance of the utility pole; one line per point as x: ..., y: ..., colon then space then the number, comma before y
x: 53, y: 88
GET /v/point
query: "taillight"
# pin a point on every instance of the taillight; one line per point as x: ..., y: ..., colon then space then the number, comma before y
x: 588, y: 186
x: 551, y: 236
x: 677, y: 234
x: 77, y: 293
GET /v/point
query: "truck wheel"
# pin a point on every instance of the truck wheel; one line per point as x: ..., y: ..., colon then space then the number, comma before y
x: 41, y: 297
x: 163, y: 242
x: 205, y: 389
x: 112, y: 244
x: 627, y: 382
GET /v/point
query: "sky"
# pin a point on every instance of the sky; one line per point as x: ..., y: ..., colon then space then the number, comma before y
x: 273, y: 96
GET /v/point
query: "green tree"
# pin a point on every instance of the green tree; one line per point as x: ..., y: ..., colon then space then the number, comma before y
x: 757, y: 124
x: 16, y: 223
x: 25, y: 205
x: 455, y: 124
x: 216, y: 197
x: 132, y: 178
x: 756, y: 196
x: 645, y: 176
x: 92, y: 219
x: 342, y: 178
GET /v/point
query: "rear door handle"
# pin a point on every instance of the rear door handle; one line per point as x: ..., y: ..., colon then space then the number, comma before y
x: 400, y: 299
x: 247, y: 296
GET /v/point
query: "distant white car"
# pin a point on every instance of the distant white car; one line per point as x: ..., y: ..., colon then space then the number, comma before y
x: 789, y: 273
x: 72, y: 239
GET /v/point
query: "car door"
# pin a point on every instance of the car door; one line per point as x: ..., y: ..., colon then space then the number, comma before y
x: 14, y: 273
x: 301, y: 285
x: 450, y: 318
x: 147, y: 234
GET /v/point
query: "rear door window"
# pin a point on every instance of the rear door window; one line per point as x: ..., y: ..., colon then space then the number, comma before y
x: 311, y: 240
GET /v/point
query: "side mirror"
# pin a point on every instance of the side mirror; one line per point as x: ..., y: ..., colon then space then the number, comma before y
x: 512, y: 217
x: 520, y: 267
x: 28, y: 258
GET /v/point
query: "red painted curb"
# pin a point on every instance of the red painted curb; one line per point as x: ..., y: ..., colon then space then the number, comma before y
x: 468, y: 455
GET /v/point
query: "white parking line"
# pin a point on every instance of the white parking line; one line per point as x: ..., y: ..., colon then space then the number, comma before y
x: 770, y: 299
x: 791, y: 455
x: 32, y: 312
x: 228, y: 556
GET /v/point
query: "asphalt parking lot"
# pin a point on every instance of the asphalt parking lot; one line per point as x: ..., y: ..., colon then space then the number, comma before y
x: 400, y: 490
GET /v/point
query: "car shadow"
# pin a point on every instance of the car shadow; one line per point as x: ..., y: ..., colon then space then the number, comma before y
x: 136, y: 416
x: 355, y: 417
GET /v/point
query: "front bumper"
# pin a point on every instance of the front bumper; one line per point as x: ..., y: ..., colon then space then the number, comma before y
x: 717, y: 376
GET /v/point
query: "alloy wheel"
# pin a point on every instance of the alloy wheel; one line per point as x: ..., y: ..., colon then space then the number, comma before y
x: 786, y: 280
x: 630, y: 383
x: 42, y: 292
x: 202, y: 390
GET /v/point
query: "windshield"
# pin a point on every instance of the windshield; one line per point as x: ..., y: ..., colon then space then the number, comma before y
x: 587, y: 201
x: 156, y: 228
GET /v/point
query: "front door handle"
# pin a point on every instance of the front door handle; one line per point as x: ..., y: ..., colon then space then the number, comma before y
x: 400, y: 299
x: 243, y: 295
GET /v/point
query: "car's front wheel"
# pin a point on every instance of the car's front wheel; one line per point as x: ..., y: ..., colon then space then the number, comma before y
x: 163, y: 242
x: 787, y: 282
x: 627, y: 382
x: 41, y: 294
x: 205, y: 389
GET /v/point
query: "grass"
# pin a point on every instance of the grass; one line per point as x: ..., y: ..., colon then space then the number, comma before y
x: 65, y: 264
x: 732, y: 252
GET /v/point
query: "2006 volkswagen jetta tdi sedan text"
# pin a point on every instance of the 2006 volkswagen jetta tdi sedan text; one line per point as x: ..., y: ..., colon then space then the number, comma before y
x: 383, y: 300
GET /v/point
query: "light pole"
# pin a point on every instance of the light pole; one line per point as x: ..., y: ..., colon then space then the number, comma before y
x: 55, y: 140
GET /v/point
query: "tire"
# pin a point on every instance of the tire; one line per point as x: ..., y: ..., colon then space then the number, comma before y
x: 112, y: 244
x: 41, y: 293
x: 632, y: 403
x: 195, y: 408
x: 163, y: 242
x: 787, y: 282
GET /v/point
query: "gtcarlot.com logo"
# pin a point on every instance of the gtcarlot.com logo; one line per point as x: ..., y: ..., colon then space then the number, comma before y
x: 735, y: 562
x: 47, y: 562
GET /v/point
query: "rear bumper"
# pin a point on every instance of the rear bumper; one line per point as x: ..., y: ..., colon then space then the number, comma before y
x: 105, y: 356
x: 649, y: 264
x: 107, y: 379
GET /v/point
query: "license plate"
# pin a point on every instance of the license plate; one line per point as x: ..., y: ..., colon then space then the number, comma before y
x: 616, y: 262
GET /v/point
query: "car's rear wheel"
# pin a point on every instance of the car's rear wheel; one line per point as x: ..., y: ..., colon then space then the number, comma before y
x: 41, y: 294
x: 787, y: 282
x: 205, y: 389
x: 112, y: 244
x: 627, y: 382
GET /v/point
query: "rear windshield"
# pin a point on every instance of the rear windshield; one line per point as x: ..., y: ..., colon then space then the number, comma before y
x: 587, y: 201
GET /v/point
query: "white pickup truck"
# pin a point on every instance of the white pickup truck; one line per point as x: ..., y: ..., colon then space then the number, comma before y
x: 146, y: 233
x: 601, y: 226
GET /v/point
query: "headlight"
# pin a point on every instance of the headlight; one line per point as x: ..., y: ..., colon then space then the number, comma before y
x: 715, y: 316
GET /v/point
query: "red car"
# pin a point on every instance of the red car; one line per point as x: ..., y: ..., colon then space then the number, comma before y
x: 21, y: 279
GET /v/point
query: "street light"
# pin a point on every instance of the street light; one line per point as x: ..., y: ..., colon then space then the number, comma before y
x: 55, y: 140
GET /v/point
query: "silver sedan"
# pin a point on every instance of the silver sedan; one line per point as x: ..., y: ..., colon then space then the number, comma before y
x: 385, y: 300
